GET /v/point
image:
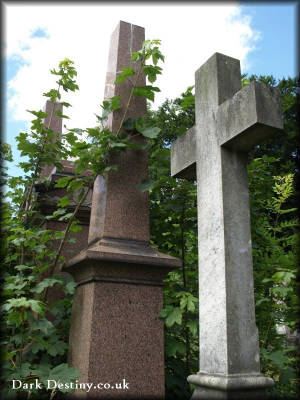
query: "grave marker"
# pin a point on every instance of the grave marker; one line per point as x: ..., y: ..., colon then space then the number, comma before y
x: 229, y: 122
x: 116, y: 332
x: 48, y: 196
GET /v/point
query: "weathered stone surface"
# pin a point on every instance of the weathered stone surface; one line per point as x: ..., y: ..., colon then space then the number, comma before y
x: 53, y: 122
x: 229, y: 121
x: 124, y: 251
x: 251, y: 116
x: 231, y: 387
x: 116, y: 332
x: 183, y: 155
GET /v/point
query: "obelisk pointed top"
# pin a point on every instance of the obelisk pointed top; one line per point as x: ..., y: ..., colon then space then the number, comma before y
x: 125, y: 39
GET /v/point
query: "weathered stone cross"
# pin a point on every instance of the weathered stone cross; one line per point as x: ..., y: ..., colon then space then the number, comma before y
x: 229, y: 122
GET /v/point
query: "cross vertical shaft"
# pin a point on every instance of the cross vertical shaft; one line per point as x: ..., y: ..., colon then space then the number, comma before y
x: 229, y: 120
x: 223, y: 232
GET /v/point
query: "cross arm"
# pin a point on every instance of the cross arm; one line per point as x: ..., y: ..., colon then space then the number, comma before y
x: 251, y: 116
x: 183, y: 156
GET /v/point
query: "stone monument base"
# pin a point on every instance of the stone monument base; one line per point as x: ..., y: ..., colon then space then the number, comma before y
x: 230, y: 387
x: 116, y: 336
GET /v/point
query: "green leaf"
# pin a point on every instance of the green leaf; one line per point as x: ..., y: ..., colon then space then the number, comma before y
x: 174, y: 347
x: 76, y: 184
x: 157, y: 55
x: 39, y: 114
x: 147, y: 131
x: 193, y: 327
x: 36, y: 306
x: 36, y: 347
x: 173, y: 316
x: 15, y: 303
x: 58, y: 212
x: 28, y: 149
x: 53, y: 94
x: 64, y: 104
x: 93, y: 132
x: 126, y: 72
x: 188, y: 102
x: 57, y: 348
x: 75, y: 227
x: 283, y: 276
x: 146, y: 91
x: 47, y: 282
x: 64, y: 374
x: 150, y: 132
x: 115, y: 103
x: 286, y: 375
x: 151, y: 72
x: 60, y: 114
x: 136, y: 56
x: 66, y: 217
x: 64, y: 201
x: 278, y: 358
x: 63, y: 182
x: 70, y: 287
x: 245, y: 82
x: 41, y: 325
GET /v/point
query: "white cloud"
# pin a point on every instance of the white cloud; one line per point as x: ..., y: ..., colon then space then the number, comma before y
x: 190, y: 34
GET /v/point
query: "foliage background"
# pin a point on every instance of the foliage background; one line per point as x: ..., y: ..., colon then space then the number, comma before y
x: 36, y: 346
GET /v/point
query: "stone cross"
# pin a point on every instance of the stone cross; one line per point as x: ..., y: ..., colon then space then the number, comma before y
x: 116, y: 335
x: 229, y: 122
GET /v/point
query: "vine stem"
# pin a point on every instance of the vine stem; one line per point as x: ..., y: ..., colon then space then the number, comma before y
x: 130, y: 97
x: 68, y: 228
x: 89, y: 188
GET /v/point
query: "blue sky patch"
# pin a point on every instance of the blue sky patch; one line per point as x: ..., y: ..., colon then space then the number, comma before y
x: 277, y: 25
x: 13, y: 64
x: 39, y: 33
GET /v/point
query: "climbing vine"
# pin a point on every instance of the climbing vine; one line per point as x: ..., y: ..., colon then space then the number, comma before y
x: 35, y: 330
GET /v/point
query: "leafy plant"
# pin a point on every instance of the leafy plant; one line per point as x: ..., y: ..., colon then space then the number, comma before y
x: 35, y: 333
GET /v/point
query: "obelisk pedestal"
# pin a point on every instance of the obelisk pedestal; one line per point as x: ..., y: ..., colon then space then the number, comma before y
x: 116, y: 335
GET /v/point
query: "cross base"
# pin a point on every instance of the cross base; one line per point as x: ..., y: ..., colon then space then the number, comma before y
x: 230, y: 387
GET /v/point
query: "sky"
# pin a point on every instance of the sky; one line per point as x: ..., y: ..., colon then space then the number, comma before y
x: 39, y: 35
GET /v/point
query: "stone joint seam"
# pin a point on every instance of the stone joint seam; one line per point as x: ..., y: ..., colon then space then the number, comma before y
x: 112, y: 279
